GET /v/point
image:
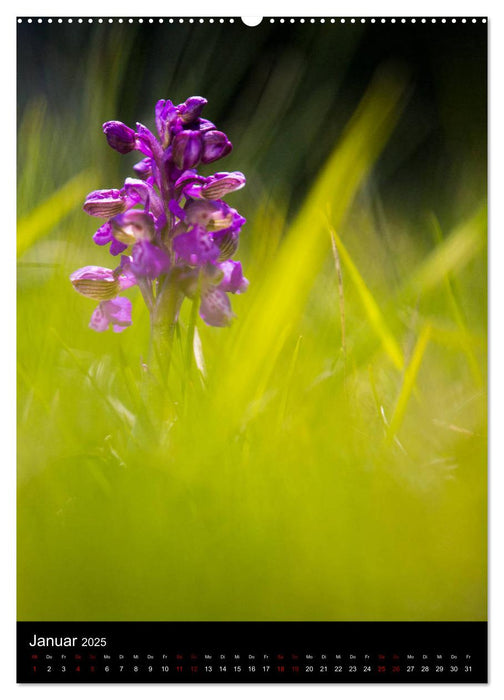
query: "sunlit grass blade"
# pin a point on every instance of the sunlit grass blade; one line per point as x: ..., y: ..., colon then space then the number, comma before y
x: 450, y: 256
x: 279, y: 303
x: 373, y: 313
x: 288, y: 384
x: 458, y: 314
x: 48, y: 214
x: 408, y: 385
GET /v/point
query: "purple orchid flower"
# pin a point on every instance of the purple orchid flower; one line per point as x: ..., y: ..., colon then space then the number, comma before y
x: 172, y: 221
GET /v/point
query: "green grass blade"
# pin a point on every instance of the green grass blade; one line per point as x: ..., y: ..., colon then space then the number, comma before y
x: 458, y: 313
x: 43, y: 218
x: 375, y: 316
x: 450, y: 256
x: 279, y: 303
x: 408, y: 384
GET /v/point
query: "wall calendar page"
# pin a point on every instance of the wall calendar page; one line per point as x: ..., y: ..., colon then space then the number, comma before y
x: 252, y: 349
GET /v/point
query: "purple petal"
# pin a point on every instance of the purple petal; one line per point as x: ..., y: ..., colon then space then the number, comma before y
x: 137, y: 190
x: 120, y: 137
x: 220, y: 184
x: 166, y: 115
x: 227, y: 242
x: 118, y: 311
x: 104, y: 203
x: 119, y: 329
x: 116, y: 247
x: 203, y: 125
x: 149, y: 260
x: 148, y: 144
x: 215, y: 308
x: 187, y: 149
x: 115, y: 312
x: 95, y: 282
x: 196, y: 247
x: 99, y: 321
x: 186, y: 180
x: 233, y: 280
x: 124, y: 274
x: 215, y: 145
x: 92, y: 272
x: 101, y: 283
x: 191, y: 108
x: 176, y: 209
x: 213, y: 215
x: 144, y: 168
x: 227, y: 238
x: 132, y: 226
x: 103, y: 235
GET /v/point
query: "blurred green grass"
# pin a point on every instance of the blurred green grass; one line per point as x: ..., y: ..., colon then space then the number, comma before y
x: 298, y: 477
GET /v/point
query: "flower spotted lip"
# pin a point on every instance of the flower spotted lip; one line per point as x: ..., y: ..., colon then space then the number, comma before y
x: 215, y: 281
x: 196, y: 247
x: 114, y: 312
x: 148, y: 260
x: 215, y: 308
x: 173, y: 222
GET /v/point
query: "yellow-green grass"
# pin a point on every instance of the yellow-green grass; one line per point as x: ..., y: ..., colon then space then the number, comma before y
x: 282, y: 474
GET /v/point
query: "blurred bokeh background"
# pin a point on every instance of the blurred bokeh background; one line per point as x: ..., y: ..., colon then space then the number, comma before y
x: 329, y: 461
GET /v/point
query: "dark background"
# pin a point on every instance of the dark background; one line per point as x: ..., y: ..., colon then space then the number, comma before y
x: 282, y: 92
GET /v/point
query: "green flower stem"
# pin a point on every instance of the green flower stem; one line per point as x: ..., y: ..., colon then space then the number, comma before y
x: 192, y: 325
x: 164, y: 319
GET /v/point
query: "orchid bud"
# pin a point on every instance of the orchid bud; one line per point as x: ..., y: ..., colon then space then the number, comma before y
x: 166, y: 117
x: 120, y: 137
x: 191, y: 109
x: 215, y: 145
